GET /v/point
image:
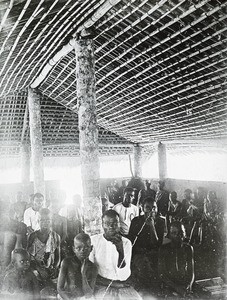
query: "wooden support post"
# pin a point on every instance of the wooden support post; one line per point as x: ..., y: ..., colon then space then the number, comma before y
x: 88, y: 131
x: 162, y: 163
x: 36, y: 140
x: 137, y: 160
x: 25, y: 156
x: 25, y: 168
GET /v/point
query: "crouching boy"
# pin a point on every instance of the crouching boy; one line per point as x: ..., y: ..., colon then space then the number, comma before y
x: 19, y: 279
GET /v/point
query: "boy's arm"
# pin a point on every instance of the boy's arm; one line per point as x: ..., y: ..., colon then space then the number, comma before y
x: 24, y: 236
x: 35, y: 287
x: 190, y: 276
x: 117, y: 241
x: 62, y: 280
x: 164, y: 275
x: 31, y: 238
x: 124, y: 259
x: 153, y: 233
x: 64, y: 229
x: 88, y: 287
x: 57, y: 254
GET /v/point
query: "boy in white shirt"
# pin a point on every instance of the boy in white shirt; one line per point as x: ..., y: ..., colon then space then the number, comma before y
x: 31, y: 214
x: 112, y: 255
x: 126, y: 210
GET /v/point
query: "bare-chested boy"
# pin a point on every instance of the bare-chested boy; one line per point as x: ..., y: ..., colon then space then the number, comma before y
x: 19, y: 279
x: 78, y: 274
x: 176, y: 262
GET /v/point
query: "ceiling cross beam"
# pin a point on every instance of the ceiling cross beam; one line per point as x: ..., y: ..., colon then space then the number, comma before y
x: 82, y: 30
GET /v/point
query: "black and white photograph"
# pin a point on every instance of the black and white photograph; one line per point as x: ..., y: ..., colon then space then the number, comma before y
x: 113, y: 149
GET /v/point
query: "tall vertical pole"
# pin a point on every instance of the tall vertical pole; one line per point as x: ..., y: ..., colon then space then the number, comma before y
x: 162, y: 161
x: 137, y: 160
x: 36, y: 140
x: 25, y: 155
x: 25, y: 167
x: 88, y: 133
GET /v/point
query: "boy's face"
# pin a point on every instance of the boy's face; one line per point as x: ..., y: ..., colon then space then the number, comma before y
x: 128, y: 198
x: 22, y: 262
x: 187, y: 195
x: 150, y: 209
x: 82, y: 249
x: 174, y: 235
x: 38, y: 203
x: 111, y: 226
x: 45, y: 222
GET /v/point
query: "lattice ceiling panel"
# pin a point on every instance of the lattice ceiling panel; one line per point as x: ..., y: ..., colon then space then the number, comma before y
x: 161, y: 71
x: 160, y: 67
x: 59, y: 129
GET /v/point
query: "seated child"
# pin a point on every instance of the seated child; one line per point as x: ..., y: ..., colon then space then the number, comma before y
x: 78, y: 274
x: 19, y: 278
x: 176, y: 262
x: 44, y: 248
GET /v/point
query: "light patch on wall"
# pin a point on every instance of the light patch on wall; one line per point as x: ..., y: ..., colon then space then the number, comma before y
x: 198, y: 166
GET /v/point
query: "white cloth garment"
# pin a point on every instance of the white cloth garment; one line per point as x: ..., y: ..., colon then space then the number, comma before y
x: 105, y: 256
x: 126, y: 214
x: 31, y: 218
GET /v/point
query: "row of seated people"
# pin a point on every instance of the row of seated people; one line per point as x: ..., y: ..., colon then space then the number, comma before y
x: 101, y: 265
x: 201, y: 213
x: 113, y: 256
x: 204, y: 225
x: 20, y: 222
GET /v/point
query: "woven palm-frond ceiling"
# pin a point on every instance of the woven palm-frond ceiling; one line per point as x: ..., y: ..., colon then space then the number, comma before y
x: 60, y: 132
x: 161, y: 68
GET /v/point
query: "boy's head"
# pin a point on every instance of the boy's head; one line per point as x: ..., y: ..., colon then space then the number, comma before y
x: 44, y: 219
x: 149, y: 207
x: 211, y: 196
x: 38, y: 201
x: 82, y: 246
x: 161, y: 185
x: 55, y: 206
x: 21, y: 259
x: 173, y: 197
x: 147, y: 183
x: 110, y: 223
x: 177, y: 232
x: 187, y: 194
x: 128, y: 196
x: 200, y: 193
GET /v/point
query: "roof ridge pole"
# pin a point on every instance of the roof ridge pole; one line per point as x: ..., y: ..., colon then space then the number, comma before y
x: 88, y: 133
x: 137, y: 160
x: 36, y: 140
x: 162, y: 161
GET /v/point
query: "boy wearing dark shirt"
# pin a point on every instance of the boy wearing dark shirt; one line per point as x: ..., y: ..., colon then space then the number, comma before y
x: 146, y: 234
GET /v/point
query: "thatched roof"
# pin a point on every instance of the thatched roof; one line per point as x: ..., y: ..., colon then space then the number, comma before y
x: 160, y: 71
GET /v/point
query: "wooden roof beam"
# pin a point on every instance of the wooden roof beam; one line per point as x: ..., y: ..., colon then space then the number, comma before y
x: 101, y: 11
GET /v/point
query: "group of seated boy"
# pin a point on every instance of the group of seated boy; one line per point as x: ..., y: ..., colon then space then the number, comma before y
x: 138, y: 255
